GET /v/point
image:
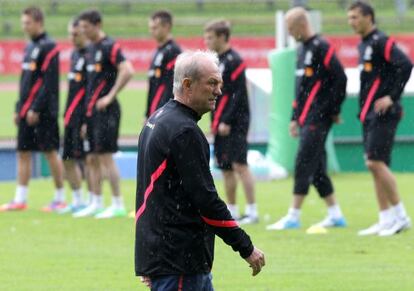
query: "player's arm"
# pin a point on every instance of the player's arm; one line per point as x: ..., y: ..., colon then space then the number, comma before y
x: 401, y: 65
x: 238, y: 87
x: 337, y: 79
x: 48, y: 80
x: 193, y: 166
x: 125, y: 73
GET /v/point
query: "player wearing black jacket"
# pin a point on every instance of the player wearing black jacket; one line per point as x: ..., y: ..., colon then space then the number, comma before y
x: 320, y: 91
x: 230, y: 121
x: 37, y: 110
x: 178, y: 210
x: 385, y: 70
x: 107, y: 73
x: 161, y: 71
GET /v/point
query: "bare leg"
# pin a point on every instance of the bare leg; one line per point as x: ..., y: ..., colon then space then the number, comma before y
x: 94, y: 173
x: 108, y: 163
x: 73, y: 174
x: 330, y: 200
x: 56, y: 168
x: 230, y: 184
x: 247, y: 180
x: 298, y: 201
x: 24, y: 167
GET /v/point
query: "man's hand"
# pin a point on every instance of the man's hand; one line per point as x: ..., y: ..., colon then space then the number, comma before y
x: 146, y: 281
x: 103, y: 102
x: 337, y: 119
x: 16, y: 118
x: 382, y: 104
x: 83, y: 131
x: 256, y: 261
x: 293, y: 128
x: 32, y: 118
x: 223, y: 129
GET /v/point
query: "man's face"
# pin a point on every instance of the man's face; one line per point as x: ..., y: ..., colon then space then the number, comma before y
x: 358, y: 22
x: 158, y: 30
x: 205, y: 91
x: 90, y: 30
x: 295, y: 29
x: 76, y: 36
x: 212, y: 41
x: 29, y: 26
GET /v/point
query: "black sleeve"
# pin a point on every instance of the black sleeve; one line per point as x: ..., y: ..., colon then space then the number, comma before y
x: 401, y: 67
x: 49, y: 90
x: 238, y: 89
x: 193, y: 167
x: 336, y: 79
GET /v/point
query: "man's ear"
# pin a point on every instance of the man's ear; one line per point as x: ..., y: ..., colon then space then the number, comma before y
x: 187, y: 84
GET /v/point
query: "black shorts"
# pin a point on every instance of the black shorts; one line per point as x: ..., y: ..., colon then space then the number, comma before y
x: 231, y: 149
x: 73, y: 144
x: 43, y: 137
x: 379, y: 134
x: 103, y: 130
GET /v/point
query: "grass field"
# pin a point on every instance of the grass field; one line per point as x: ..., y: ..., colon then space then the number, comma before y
x: 50, y: 252
x: 133, y: 102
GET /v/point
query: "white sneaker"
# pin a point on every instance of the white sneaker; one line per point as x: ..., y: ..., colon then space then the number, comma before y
x: 112, y: 212
x: 248, y: 219
x: 375, y: 229
x: 332, y: 222
x: 399, y: 225
x: 91, y: 210
x: 286, y: 222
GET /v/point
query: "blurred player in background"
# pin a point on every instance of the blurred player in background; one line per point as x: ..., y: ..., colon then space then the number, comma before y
x: 161, y: 71
x: 36, y: 114
x: 385, y: 70
x: 107, y: 73
x: 320, y: 91
x: 230, y: 121
x: 74, y: 116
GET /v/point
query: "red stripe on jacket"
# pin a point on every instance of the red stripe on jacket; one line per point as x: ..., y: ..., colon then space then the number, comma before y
x: 220, y: 223
x: 154, y: 177
x: 219, y: 112
x: 388, y: 47
x: 115, y: 48
x: 170, y: 64
x: 95, y: 96
x: 30, y: 99
x: 236, y: 73
x: 370, y: 98
x: 328, y: 57
x: 157, y: 98
x: 309, y: 101
x: 78, y: 97
x: 48, y: 58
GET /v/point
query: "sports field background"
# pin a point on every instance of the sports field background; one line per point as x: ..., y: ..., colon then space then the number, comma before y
x: 41, y: 251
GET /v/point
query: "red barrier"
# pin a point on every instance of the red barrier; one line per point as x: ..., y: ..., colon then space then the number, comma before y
x: 253, y: 49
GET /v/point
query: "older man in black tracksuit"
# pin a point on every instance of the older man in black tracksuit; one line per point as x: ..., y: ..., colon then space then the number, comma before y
x: 178, y: 209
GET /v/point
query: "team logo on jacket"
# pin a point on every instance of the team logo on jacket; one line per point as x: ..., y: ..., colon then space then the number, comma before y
x: 367, y: 67
x: 35, y: 53
x: 98, y: 67
x: 157, y: 73
x: 79, y: 64
x: 308, y: 58
x: 308, y: 71
x: 368, y: 53
x: 158, y: 59
x: 221, y: 68
x: 98, y: 56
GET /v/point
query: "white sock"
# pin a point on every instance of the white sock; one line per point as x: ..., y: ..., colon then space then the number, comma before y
x: 386, y: 216
x: 399, y: 210
x: 251, y: 210
x: 117, y: 202
x: 77, y: 197
x: 334, y: 211
x: 234, y: 210
x: 21, y: 194
x: 89, y: 198
x: 60, y: 195
x: 97, y: 200
x: 294, y: 213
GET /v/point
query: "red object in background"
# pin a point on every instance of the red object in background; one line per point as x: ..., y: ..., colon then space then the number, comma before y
x: 254, y: 50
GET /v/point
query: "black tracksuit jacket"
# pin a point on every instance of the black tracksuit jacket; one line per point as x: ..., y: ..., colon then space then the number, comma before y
x: 178, y: 209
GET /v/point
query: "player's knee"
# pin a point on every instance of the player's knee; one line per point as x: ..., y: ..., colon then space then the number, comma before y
x: 374, y: 166
x: 240, y: 168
